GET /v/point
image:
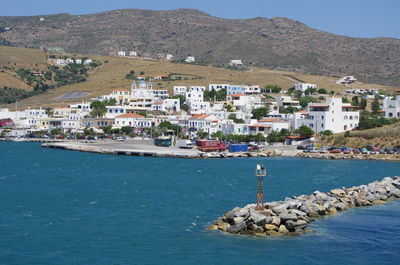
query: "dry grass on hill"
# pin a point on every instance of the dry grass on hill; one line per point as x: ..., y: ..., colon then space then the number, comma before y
x: 111, y: 75
x: 22, y: 58
x: 10, y: 80
x: 388, y: 135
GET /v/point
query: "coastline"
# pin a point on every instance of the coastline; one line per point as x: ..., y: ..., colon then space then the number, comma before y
x: 146, y: 148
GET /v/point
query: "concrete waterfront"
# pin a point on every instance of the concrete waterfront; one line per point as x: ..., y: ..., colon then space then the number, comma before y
x: 291, y: 216
x: 147, y: 148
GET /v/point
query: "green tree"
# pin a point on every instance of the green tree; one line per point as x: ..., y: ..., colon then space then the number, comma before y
x: 271, y: 89
x: 307, y: 99
x: 327, y: 133
x: 345, y: 100
x: 355, y: 101
x: 310, y: 91
x: 107, y: 130
x: 288, y: 109
x: 99, y: 107
x: 322, y: 91
x: 127, y: 130
x: 363, y: 104
x: 375, y: 107
x: 304, y: 131
x: 260, y: 112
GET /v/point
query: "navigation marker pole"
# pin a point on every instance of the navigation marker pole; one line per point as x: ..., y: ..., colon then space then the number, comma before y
x: 261, y: 172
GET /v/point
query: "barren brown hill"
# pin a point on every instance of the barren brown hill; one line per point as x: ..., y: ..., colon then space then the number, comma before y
x: 276, y: 43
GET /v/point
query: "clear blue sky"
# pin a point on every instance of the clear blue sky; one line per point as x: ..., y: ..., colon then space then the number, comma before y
x: 357, y: 18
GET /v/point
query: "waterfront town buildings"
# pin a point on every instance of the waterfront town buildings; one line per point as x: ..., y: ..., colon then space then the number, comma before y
x: 232, y: 115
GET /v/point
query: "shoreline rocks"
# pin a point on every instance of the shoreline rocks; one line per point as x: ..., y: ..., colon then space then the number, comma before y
x: 292, y: 216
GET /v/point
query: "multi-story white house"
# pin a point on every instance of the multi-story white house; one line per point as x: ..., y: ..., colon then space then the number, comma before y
x: 391, y: 107
x: 286, y: 101
x: 205, y: 123
x: 121, y: 53
x: 167, y: 105
x: 332, y: 115
x: 160, y: 93
x: 180, y: 90
x: 197, y: 88
x: 243, y: 89
x: 142, y: 95
x: 218, y: 87
x: 133, y: 53
x: 304, y: 86
x: 132, y: 120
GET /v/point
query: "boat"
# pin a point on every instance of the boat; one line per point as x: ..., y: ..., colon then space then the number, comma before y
x: 16, y: 139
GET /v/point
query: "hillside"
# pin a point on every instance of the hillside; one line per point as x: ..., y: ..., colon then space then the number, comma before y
x: 381, y: 137
x: 276, y: 43
x: 111, y: 75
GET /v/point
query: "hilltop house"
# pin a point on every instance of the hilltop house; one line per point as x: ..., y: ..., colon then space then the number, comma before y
x: 190, y: 59
x: 304, y: 86
x: 235, y: 63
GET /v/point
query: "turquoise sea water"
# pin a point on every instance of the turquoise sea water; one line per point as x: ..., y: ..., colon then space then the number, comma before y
x: 64, y: 207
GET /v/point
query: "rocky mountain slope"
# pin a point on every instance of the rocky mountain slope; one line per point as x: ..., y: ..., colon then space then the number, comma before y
x: 276, y: 43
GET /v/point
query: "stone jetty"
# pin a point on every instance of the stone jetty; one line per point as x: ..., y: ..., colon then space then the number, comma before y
x: 291, y: 216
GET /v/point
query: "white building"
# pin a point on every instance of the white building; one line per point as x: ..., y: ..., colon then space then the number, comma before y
x: 87, y: 62
x: 169, y: 57
x: 391, y: 107
x: 160, y: 93
x: 218, y: 87
x: 304, y: 86
x: 332, y: 115
x: 60, y: 62
x: 133, y: 53
x: 132, y: 120
x: 142, y: 95
x: 197, y: 88
x: 346, y: 80
x: 235, y: 63
x: 286, y: 101
x: 180, y: 90
x: 205, y: 123
x: 243, y: 89
x: 121, y: 53
x: 190, y: 59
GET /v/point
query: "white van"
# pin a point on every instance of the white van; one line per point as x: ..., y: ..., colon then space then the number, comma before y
x: 184, y: 144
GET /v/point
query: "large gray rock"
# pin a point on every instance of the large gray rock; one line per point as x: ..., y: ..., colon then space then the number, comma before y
x: 299, y: 224
x: 242, y: 212
x: 236, y: 228
x: 340, y: 206
x: 321, y: 196
x: 231, y: 214
x: 258, y: 218
x: 280, y: 208
x: 238, y: 220
x: 286, y: 216
x: 396, y: 183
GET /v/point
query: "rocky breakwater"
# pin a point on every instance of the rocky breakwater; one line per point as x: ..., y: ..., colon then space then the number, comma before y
x: 291, y: 216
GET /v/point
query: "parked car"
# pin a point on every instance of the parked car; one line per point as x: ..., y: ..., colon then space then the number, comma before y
x: 335, y: 151
x: 364, y: 151
x: 356, y: 151
x: 347, y: 151
x: 323, y: 150
x: 301, y: 147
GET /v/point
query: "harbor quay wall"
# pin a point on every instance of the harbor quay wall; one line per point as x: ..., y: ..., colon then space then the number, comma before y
x: 292, y: 215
